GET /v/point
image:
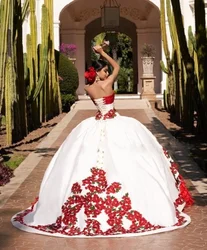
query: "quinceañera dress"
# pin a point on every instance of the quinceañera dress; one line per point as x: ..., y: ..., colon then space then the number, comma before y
x: 109, y: 178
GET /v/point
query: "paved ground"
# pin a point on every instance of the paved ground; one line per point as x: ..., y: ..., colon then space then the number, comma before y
x: 23, y: 188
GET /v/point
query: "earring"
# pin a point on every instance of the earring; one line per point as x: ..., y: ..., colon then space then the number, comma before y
x: 97, y: 78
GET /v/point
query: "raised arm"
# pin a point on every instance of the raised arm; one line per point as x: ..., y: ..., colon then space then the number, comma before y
x: 111, y: 61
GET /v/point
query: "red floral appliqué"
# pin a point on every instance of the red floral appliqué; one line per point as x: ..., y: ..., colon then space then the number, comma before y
x: 184, y: 194
x: 93, y: 197
x: 109, y: 115
x: 90, y: 75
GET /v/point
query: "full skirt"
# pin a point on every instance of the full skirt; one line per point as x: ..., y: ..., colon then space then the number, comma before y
x: 109, y: 178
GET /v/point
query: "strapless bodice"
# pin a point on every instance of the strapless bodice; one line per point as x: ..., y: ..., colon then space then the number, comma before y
x: 105, y: 106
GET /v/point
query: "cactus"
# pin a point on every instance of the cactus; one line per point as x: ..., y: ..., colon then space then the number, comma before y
x: 4, y: 23
x: 44, y: 86
x: 193, y: 98
x: 177, y: 88
x: 16, y: 68
x: 56, y: 98
x: 25, y: 9
x: 201, y: 47
x: 20, y: 127
x: 11, y: 70
x: 169, y: 92
x: 188, y: 119
x: 193, y: 50
x: 43, y: 55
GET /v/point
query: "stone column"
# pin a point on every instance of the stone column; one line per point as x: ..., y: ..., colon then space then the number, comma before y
x: 77, y: 37
x: 148, y: 83
x: 139, y: 65
x: 80, y: 59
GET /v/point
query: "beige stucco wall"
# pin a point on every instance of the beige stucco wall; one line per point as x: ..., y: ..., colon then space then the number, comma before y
x: 144, y: 15
x: 72, y: 16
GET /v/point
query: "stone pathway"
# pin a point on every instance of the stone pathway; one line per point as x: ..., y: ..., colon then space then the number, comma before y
x: 24, y: 187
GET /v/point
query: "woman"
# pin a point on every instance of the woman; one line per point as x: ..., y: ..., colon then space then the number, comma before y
x: 109, y: 178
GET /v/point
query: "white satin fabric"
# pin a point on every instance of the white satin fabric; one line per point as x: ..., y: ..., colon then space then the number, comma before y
x: 128, y: 153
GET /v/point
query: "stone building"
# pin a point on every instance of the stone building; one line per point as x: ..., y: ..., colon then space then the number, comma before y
x: 78, y: 21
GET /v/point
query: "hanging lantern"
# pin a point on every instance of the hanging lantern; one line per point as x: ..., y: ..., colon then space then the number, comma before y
x: 110, y: 15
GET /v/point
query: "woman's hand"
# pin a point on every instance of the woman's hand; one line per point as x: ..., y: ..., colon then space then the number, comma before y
x: 98, y: 49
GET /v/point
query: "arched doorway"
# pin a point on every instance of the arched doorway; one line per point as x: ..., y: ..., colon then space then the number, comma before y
x: 127, y: 27
x: 140, y: 20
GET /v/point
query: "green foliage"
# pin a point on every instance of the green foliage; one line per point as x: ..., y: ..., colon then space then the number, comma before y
x: 124, y: 50
x: 191, y: 41
x: 122, y: 80
x: 120, y: 49
x: 148, y: 50
x: 68, y: 80
x: 163, y: 68
x: 2, y: 120
x: 67, y: 101
x: 99, y: 39
x: 14, y: 161
x: 68, y: 72
x: 94, y: 55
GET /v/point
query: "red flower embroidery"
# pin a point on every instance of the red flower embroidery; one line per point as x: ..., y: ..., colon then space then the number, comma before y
x: 90, y: 75
x: 184, y: 194
x: 113, y: 188
x: 33, y: 203
x: 109, y: 115
x: 93, y: 205
x: 97, y: 182
x: 76, y: 188
x: 93, y: 196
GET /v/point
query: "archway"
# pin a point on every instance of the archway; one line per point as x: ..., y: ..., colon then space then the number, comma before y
x: 80, y: 22
x: 127, y: 27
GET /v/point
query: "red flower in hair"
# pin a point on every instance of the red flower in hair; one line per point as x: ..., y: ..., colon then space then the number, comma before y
x: 90, y: 75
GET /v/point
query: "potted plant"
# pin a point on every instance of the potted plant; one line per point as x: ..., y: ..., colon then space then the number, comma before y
x: 69, y: 50
x: 148, y: 56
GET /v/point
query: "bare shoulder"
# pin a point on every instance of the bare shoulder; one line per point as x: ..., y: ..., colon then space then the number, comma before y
x: 107, y: 84
x: 86, y: 87
x: 98, y: 90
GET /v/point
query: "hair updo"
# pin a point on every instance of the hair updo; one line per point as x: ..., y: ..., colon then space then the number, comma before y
x: 99, y: 65
x: 90, y: 74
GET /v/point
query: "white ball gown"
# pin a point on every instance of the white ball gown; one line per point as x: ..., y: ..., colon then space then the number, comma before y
x: 109, y: 178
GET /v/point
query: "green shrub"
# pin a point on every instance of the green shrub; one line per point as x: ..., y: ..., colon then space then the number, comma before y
x: 122, y: 80
x: 67, y: 101
x: 68, y: 80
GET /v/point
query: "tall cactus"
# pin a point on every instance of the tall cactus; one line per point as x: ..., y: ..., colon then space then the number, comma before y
x: 43, y: 53
x: 193, y: 97
x: 178, y: 87
x: 14, y: 67
x: 173, y: 94
x: 188, y: 120
x: 11, y: 67
x: 20, y: 117
x: 44, y: 86
x: 55, y: 89
x: 201, y: 46
x: 25, y: 9
x: 168, y: 68
x: 4, y: 24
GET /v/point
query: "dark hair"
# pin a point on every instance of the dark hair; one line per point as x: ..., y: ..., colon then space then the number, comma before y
x: 99, y: 65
